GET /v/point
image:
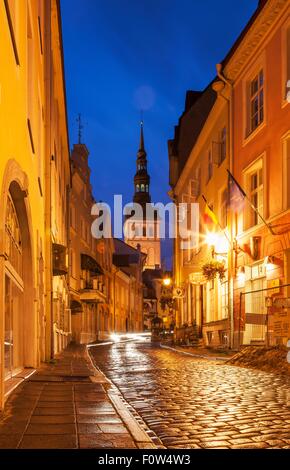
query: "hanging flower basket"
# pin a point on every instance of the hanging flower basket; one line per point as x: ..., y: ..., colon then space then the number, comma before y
x: 212, y: 269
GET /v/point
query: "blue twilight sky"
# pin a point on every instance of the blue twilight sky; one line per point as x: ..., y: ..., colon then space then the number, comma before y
x: 124, y: 55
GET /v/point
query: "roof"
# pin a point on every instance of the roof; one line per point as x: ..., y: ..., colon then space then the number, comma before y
x: 198, y: 105
x: 125, y: 255
x: 239, y: 39
x: 197, y: 108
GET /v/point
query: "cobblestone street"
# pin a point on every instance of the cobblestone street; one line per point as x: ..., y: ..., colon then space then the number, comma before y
x: 197, y: 403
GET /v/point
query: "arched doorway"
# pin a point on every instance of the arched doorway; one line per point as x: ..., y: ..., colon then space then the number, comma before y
x: 14, y: 288
x: 18, y: 295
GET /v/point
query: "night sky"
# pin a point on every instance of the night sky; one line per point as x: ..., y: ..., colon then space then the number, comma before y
x: 125, y: 55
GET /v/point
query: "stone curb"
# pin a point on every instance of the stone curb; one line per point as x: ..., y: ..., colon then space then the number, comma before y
x: 200, y: 356
x: 141, y: 438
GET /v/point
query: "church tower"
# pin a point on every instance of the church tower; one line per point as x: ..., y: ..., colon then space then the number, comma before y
x: 144, y: 233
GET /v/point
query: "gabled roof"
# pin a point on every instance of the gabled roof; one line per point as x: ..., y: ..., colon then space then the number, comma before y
x: 197, y: 108
x: 125, y: 255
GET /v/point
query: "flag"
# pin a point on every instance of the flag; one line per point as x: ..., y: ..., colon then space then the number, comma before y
x: 237, y: 195
x: 209, y: 216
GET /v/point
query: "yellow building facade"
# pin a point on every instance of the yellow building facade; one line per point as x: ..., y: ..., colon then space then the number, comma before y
x: 34, y: 174
x: 90, y: 259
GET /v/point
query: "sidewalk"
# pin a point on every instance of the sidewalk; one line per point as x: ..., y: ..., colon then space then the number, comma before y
x: 67, y: 405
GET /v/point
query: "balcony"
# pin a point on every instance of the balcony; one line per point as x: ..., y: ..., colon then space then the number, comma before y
x: 76, y: 307
x: 92, y: 292
x: 88, y: 263
x: 59, y: 259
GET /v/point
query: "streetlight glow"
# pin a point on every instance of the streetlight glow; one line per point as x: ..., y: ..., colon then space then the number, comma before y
x: 167, y: 281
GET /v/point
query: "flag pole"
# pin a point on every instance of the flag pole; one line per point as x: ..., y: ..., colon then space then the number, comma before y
x: 251, y: 204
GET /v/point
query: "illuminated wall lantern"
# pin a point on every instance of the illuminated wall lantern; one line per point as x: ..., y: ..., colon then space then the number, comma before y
x: 272, y: 262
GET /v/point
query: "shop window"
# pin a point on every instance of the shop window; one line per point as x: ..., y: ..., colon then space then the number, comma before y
x: 209, y: 337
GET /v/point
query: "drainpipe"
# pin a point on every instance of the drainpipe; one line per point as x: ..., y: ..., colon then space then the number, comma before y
x: 231, y: 259
x: 114, y: 319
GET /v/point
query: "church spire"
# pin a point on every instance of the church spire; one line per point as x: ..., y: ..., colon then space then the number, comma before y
x: 141, y: 138
x: 141, y: 178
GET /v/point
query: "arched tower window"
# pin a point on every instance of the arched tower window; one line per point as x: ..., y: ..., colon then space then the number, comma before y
x: 142, y: 188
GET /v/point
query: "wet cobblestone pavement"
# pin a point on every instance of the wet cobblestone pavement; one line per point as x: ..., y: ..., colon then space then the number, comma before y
x: 196, y: 403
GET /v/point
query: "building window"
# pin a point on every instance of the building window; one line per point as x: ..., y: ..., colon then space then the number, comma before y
x: 83, y: 229
x: 13, y: 245
x: 256, y: 101
x: 142, y: 188
x: 30, y: 79
x: 286, y: 170
x: 194, y: 187
x: 11, y: 7
x: 73, y: 217
x: 223, y: 208
x: 286, y: 63
x: 223, y: 144
x: 254, y: 184
x: 209, y: 166
x: 40, y: 19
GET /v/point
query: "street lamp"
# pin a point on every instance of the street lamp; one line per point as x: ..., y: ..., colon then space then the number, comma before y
x: 218, y: 242
x: 167, y: 281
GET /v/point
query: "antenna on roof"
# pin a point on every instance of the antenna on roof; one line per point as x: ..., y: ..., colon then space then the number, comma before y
x: 80, y: 126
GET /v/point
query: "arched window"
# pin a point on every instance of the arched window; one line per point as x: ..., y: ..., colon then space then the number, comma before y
x: 147, y: 188
x: 137, y: 188
x: 142, y: 188
x: 13, y: 237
